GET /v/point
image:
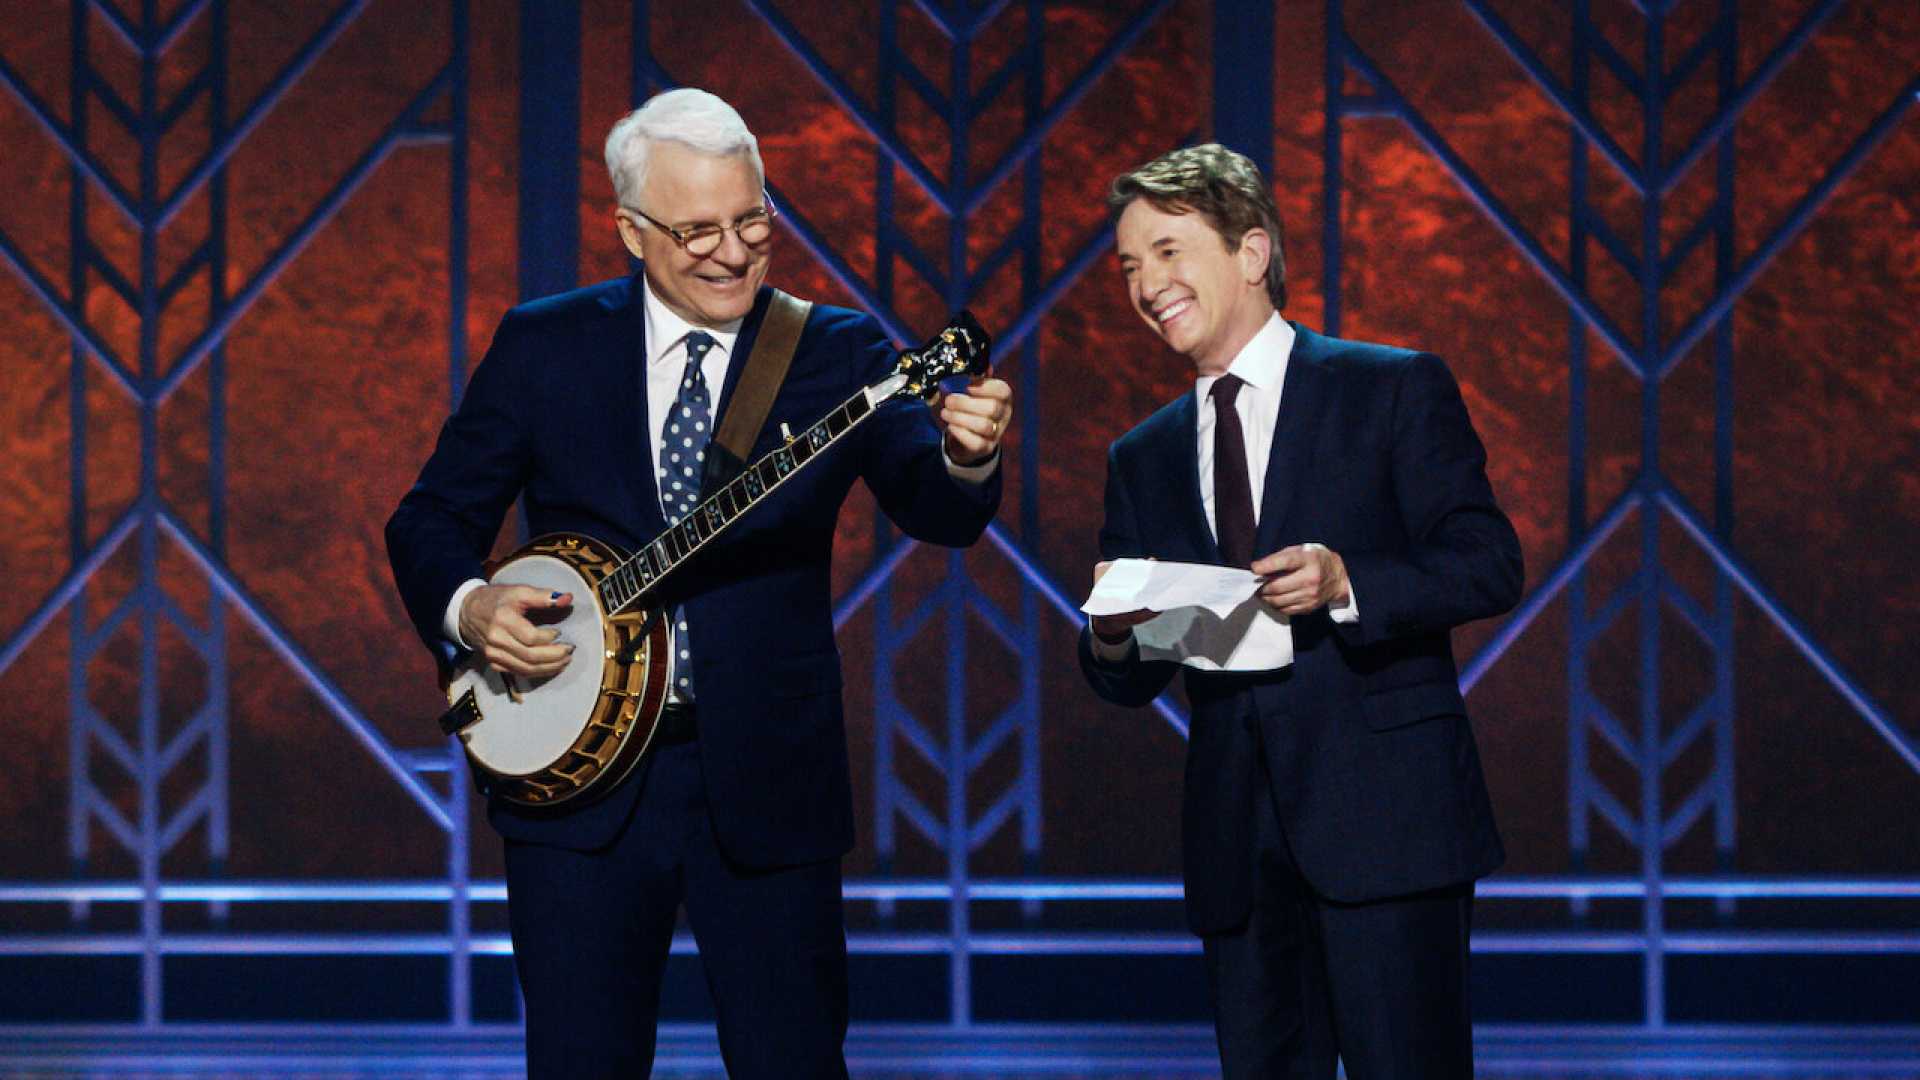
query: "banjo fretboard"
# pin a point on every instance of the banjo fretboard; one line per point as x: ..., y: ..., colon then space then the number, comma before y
x: 635, y: 577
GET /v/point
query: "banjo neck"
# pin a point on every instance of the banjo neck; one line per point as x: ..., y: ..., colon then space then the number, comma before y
x: 646, y: 568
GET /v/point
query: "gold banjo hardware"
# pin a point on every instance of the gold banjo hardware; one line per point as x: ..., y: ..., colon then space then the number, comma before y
x: 566, y: 740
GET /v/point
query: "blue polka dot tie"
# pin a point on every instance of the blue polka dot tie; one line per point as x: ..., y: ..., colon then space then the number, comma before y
x: 683, y: 452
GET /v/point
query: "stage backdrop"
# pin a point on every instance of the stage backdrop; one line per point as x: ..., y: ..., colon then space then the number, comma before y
x: 254, y: 250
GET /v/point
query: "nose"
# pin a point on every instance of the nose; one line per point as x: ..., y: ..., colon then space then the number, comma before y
x: 1151, y: 279
x: 733, y: 251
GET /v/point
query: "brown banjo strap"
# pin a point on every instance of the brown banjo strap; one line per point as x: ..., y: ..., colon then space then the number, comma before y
x: 753, y: 395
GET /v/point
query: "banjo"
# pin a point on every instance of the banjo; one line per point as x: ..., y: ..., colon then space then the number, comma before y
x: 569, y: 738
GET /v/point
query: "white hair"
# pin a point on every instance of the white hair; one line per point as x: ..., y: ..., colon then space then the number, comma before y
x: 693, y: 118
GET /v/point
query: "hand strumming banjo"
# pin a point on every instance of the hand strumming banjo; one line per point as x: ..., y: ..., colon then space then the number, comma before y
x: 574, y: 736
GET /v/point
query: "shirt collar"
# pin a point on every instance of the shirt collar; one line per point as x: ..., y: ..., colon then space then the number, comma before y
x: 1262, y: 361
x: 666, y: 330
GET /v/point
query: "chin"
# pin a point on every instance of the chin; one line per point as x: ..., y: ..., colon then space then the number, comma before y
x: 1184, y: 344
x: 719, y: 313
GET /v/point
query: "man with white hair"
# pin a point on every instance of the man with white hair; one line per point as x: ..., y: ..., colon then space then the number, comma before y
x: 593, y: 407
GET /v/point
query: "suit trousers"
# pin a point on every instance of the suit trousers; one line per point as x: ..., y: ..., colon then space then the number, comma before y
x: 1380, y: 987
x: 591, y: 934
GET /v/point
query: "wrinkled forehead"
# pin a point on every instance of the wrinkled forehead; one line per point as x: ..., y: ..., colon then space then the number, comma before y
x: 1146, y: 224
x: 681, y: 179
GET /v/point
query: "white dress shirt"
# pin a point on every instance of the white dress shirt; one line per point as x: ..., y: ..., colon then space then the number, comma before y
x: 666, y: 365
x: 1262, y: 365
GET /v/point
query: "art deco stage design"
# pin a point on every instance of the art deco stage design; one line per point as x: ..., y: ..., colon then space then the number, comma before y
x: 1667, y: 246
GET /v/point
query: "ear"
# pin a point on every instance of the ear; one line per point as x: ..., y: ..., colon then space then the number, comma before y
x: 629, y: 231
x: 1256, y: 250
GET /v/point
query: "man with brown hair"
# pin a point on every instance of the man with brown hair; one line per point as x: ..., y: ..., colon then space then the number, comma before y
x: 1335, y: 815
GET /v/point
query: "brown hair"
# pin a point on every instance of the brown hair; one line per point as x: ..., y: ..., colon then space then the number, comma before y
x: 1224, y: 187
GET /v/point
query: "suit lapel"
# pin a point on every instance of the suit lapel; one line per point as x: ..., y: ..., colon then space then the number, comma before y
x: 1182, y: 455
x: 1290, y: 460
x: 620, y: 348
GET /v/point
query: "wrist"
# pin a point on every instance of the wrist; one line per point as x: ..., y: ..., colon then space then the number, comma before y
x: 455, y: 624
x: 957, y: 455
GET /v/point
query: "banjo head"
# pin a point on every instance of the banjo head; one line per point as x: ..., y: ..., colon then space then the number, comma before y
x: 521, y: 733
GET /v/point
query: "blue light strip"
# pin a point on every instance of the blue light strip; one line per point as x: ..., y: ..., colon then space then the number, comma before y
x: 1715, y: 312
x: 159, y: 827
x: 1646, y: 758
x: 459, y: 800
x: 70, y: 588
x: 979, y: 890
x: 1561, y: 576
x: 954, y: 832
x: 1652, y: 826
x: 1726, y: 809
x: 1094, y: 246
x: 69, y: 317
x: 289, y: 249
x: 1490, y: 205
x: 70, y: 142
x: 1829, y: 669
x: 990, y: 1050
x: 1037, y: 131
x: 1026, y: 709
x: 168, y: 34
x: 1573, y: 107
x: 1033, y: 943
x: 82, y: 718
x: 1732, y: 109
x: 275, y: 92
x: 323, y: 687
x: 870, y: 300
x: 1064, y: 604
x: 885, y: 140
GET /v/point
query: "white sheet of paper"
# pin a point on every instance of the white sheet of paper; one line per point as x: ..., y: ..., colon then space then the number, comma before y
x: 1133, y: 584
x: 1210, y: 617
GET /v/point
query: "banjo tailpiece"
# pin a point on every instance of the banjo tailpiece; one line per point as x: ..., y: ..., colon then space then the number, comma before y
x: 464, y: 714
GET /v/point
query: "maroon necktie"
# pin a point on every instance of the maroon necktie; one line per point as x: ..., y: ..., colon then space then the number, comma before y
x: 1232, y: 492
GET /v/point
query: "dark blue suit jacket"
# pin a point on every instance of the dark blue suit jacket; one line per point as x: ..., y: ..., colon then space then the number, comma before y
x: 1374, y: 771
x: 556, y: 413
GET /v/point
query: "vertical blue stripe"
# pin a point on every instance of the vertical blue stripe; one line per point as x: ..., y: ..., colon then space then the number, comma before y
x: 1243, y: 79
x: 549, y: 147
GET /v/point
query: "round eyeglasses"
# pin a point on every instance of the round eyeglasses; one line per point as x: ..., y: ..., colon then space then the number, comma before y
x: 753, y: 228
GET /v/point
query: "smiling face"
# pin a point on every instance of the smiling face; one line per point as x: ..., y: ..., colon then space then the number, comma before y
x: 1205, y: 299
x: 686, y: 188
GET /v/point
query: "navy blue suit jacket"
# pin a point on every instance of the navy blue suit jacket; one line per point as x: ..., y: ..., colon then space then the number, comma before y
x: 1374, y: 771
x: 556, y: 413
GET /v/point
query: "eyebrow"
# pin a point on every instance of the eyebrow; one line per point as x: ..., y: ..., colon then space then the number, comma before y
x: 1156, y: 244
x: 737, y: 219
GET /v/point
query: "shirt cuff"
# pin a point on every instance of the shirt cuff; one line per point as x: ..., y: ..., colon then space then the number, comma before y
x: 450, y: 622
x: 1109, y: 651
x: 970, y: 474
x: 1348, y: 613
